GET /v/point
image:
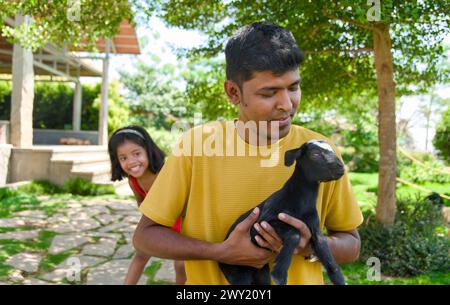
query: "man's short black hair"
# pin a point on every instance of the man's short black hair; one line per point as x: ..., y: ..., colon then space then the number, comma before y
x: 261, y: 46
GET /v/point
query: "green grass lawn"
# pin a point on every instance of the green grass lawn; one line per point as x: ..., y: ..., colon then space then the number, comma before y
x: 357, y: 274
x: 365, y: 186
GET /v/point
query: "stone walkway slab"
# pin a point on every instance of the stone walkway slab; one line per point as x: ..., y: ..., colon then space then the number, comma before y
x: 124, y: 251
x: 128, y: 237
x: 167, y: 270
x: 35, y: 282
x: 96, y: 202
x: 31, y: 214
x: 71, y: 268
x: 127, y: 229
x: 105, y: 247
x: 106, y: 219
x: 58, y: 218
x: 75, y: 225
x: 11, y: 222
x: 134, y: 212
x: 113, y: 236
x: 84, y: 212
x: 111, y: 273
x: 25, y: 261
x: 62, y: 243
x: 118, y: 206
x: 133, y: 219
x: 113, y: 227
x: 20, y: 235
x: 16, y: 276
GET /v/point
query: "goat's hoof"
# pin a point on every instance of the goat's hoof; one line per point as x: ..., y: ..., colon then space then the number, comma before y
x: 279, y: 278
x: 337, y: 278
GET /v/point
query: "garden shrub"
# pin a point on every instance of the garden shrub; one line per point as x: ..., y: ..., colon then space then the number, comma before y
x: 53, y: 106
x: 13, y: 200
x: 416, y: 243
x: 441, y: 140
x: 41, y: 187
x: 430, y: 170
x: 84, y: 187
x: 27, y: 194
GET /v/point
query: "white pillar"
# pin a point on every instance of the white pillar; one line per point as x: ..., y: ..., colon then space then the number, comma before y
x: 21, y: 131
x: 76, y: 116
x: 103, y: 120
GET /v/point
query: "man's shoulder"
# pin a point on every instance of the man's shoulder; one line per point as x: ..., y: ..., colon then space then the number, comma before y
x: 193, y: 138
x: 206, y: 128
x: 305, y: 134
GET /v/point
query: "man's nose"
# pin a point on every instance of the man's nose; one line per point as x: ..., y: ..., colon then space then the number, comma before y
x: 284, y: 102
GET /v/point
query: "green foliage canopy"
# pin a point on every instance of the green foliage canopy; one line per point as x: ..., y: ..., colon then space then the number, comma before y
x: 442, y: 137
x: 53, y: 106
x: 64, y: 22
x: 336, y: 37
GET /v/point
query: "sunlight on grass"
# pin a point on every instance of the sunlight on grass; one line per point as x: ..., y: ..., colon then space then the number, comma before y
x: 356, y: 274
x: 365, y: 186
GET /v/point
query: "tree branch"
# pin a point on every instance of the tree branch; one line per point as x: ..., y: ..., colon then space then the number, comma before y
x: 358, y: 24
x: 355, y: 51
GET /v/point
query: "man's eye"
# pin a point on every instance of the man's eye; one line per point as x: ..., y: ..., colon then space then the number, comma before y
x: 293, y: 89
x: 265, y: 95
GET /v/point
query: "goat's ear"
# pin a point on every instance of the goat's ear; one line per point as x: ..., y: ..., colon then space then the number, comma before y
x: 291, y: 155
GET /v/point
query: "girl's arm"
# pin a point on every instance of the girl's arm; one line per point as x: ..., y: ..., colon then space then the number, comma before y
x: 138, y: 197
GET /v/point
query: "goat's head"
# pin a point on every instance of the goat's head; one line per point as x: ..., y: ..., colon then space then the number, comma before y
x: 317, y: 160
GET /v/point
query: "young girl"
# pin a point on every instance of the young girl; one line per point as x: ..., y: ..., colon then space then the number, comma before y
x: 134, y: 155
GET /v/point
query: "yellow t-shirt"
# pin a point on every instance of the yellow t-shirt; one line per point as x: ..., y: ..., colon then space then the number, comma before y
x: 210, y: 190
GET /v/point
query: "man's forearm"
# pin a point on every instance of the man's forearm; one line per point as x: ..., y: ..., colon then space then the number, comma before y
x: 344, y: 246
x: 164, y: 243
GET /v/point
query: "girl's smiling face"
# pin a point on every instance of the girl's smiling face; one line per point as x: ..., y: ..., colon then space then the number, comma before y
x: 132, y: 158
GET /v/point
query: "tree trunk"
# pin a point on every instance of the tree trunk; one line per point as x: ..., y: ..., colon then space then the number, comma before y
x: 385, y: 210
x: 428, y: 114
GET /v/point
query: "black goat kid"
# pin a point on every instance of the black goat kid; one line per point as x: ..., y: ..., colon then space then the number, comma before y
x: 316, y: 162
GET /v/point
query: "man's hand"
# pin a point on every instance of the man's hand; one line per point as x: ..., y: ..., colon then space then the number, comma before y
x: 238, y: 248
x: 304, y: 248
x: 271, y: 240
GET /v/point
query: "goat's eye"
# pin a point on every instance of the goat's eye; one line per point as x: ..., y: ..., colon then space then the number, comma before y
x: 315, y: 155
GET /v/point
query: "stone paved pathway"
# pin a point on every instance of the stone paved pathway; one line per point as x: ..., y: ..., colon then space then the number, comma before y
x: 92, y: 240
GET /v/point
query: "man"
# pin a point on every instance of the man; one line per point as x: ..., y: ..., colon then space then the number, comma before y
x: 211, y: 190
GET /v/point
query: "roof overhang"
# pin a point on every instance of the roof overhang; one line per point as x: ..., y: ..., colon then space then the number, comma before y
x: 55, y: 61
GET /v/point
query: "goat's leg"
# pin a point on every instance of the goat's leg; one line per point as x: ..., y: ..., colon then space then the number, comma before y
x: 323, y: 252
x: 262, y: 276
x: 238, y: 275
x: 283, y: 259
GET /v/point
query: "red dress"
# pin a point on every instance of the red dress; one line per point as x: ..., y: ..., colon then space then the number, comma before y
x: 142, y: 193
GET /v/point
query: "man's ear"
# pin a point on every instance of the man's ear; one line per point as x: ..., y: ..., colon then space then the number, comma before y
x: 291, y: 155
x: 233, y: 91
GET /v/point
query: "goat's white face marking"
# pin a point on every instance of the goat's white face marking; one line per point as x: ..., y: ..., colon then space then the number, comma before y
x: 323, y: 145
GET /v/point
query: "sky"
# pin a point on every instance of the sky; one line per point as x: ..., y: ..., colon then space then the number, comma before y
x: 167, y: 38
